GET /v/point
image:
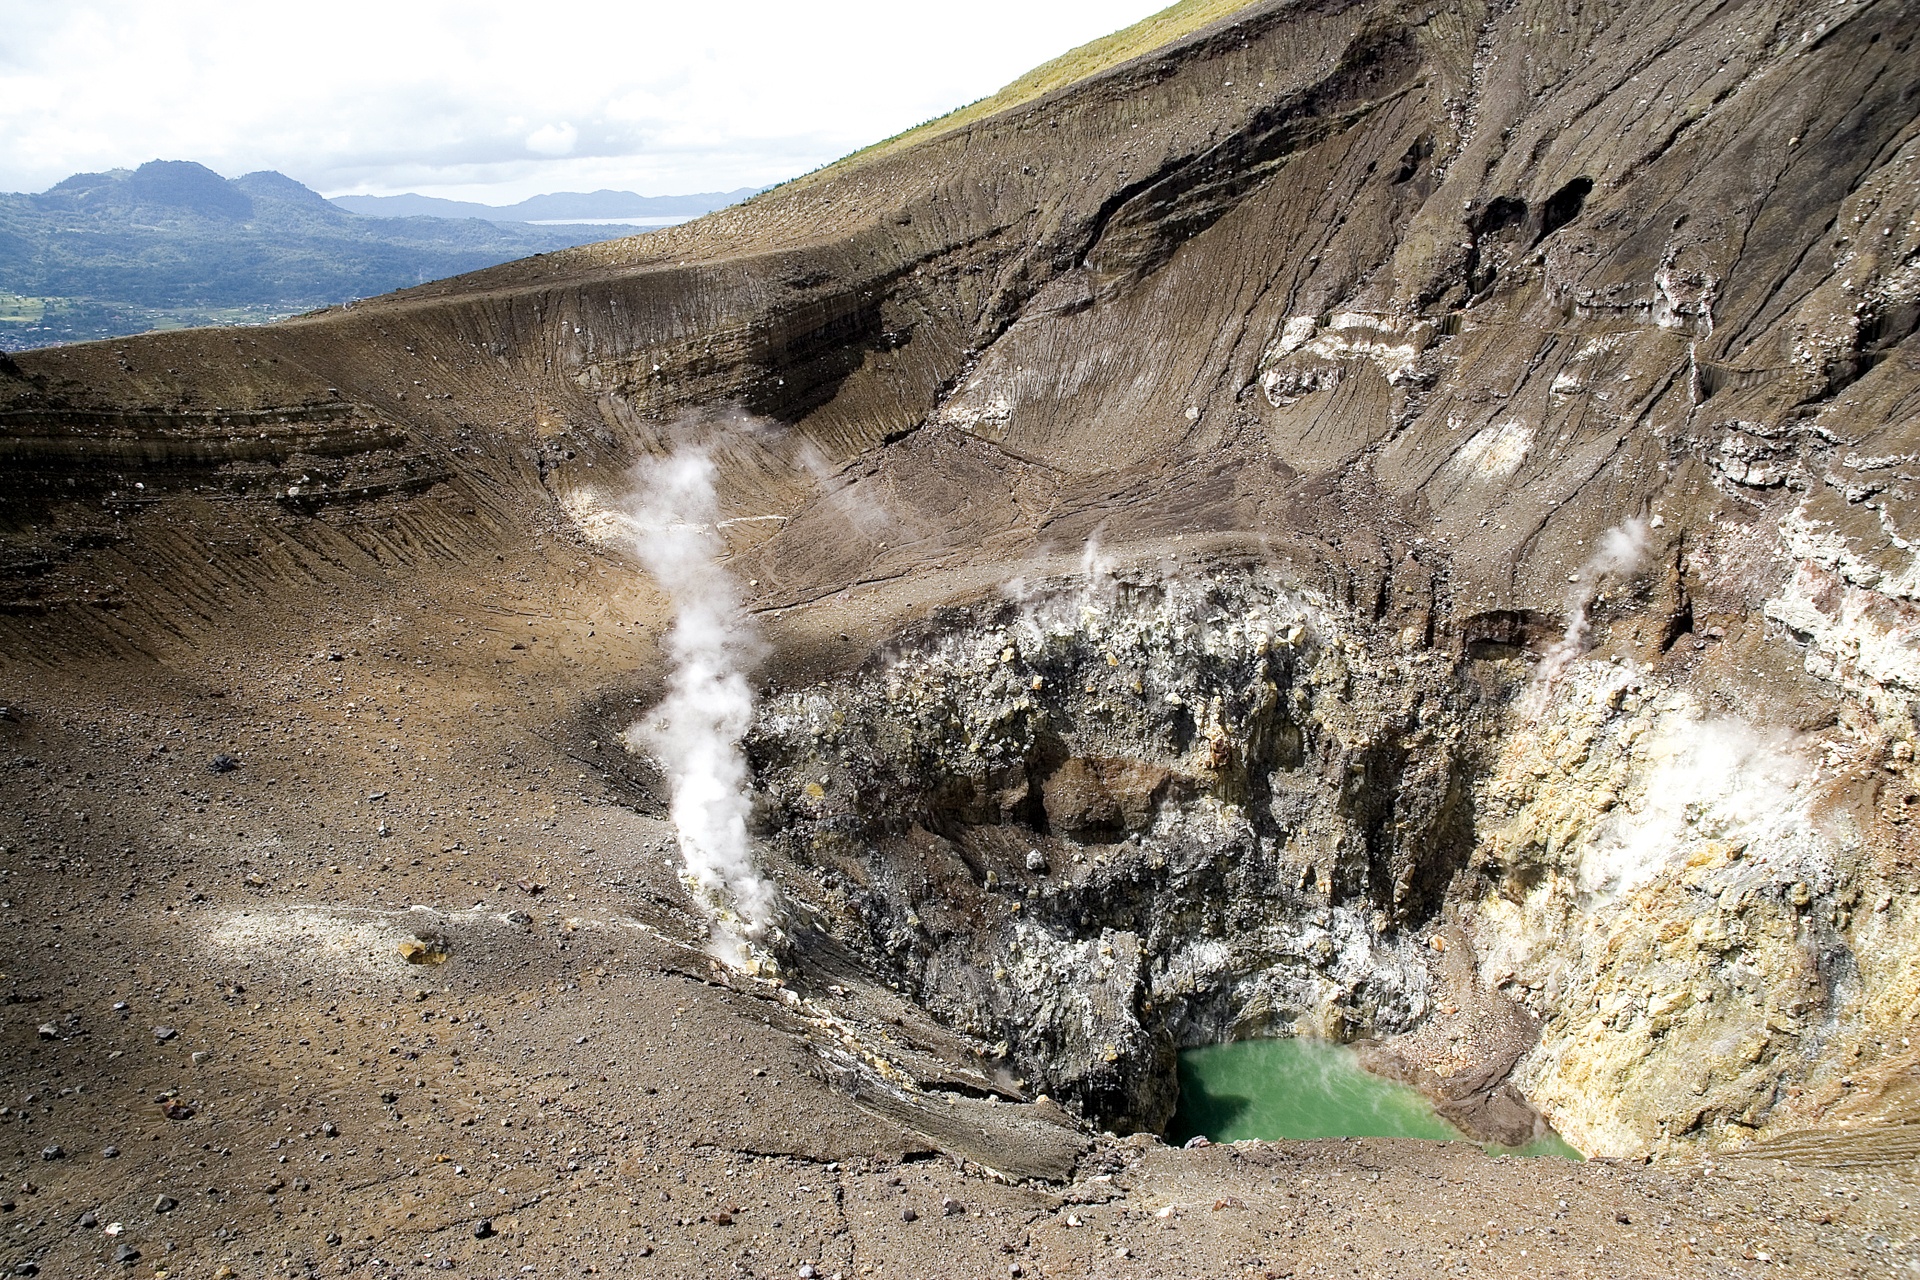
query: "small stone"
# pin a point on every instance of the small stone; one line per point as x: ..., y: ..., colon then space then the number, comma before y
x: 49, y: 1032
x: 110, y: 1152
x: 125, y: 1253
x: 223, y: 763
x: 255, y: 880
x: 645, y: 1251
x: 201, y: 1057
x: 1196, y: 1141
x: 165, y: 1204
x: 1036, y: 861
x: 952, y: 1208
x: 26, y: 1268
x: 330, y: 1129
x: 520, y: 918
x: 483, y: 1228
x: 908, y: 1215
x: 89, y: 1220
x: 53, y: 1151
x: 333, y: 1238
x: 806, y: 1271
x: 164, y: 1034
x: 426, y: 948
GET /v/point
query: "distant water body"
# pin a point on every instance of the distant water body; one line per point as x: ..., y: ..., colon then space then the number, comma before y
x: 614, y: 222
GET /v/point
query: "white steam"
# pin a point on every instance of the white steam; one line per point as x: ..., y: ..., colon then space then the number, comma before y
x: 1704, y: 778
x: 695, y: 731
x: 1620, y: 552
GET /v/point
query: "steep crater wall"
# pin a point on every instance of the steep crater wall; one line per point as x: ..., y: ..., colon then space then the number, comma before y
x: 1099, y: 823
x: 1105, y: 825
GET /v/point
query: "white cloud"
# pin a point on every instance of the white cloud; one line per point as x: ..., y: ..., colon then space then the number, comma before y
x: 484, y: 100
x: 553, y: 139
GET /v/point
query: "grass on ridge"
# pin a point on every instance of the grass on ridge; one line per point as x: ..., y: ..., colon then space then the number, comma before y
x: 1144, y: 36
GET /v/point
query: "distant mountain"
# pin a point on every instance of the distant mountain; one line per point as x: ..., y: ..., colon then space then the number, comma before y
x: 173, y: 244
x: 559, y: 205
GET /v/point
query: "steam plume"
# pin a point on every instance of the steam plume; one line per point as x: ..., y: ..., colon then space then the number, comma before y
x: 1620, y: 552
x: 695, y: 731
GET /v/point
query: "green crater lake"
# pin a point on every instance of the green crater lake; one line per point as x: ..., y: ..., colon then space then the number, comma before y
x: 1303, y: 1088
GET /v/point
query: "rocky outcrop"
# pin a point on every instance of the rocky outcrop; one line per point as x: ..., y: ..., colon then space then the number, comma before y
x: 1103, y: 824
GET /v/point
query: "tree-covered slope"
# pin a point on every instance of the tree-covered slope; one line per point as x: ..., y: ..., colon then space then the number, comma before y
x: 173, y: 243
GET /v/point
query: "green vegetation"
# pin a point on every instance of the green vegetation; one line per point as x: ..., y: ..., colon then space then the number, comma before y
x: 1090, y: 59
x: 37, y: 322
x: 1301, y: 1088
x: 173, y: 244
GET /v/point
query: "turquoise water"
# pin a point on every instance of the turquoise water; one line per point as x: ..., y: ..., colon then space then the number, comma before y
x: 1301, y: 1088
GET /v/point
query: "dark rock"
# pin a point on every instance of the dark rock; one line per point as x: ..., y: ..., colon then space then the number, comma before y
x: 164, y: 1033
x: 223, y: 763
x: 125, y: 1253
x: 483, y: 1228
x: 165, y: 1204
x: 53, y: 1151
x: 88, y: 1219
x: 908, y: 1215
x: 952, y: 1208
x: 110, y: 1152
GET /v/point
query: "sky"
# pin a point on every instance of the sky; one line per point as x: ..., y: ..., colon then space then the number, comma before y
x: 481, y: 100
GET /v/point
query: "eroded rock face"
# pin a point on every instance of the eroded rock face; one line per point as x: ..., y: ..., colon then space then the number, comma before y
x: 1119, y: 818
x: 1671, y: 901
x: 1108, y: 823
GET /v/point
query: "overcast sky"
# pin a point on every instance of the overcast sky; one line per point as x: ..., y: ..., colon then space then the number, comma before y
x: 482, y: 100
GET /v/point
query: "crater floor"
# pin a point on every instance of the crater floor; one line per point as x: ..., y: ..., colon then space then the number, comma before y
x: 576, y: 1085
